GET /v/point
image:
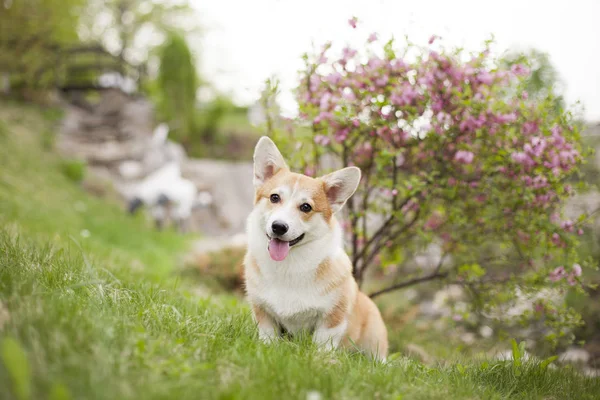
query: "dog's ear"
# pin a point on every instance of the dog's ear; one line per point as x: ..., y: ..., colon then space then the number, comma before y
x: 340, y: 185
x: 267, y: 161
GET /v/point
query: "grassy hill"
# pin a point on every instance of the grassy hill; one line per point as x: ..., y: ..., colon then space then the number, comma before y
x: 91, y: 306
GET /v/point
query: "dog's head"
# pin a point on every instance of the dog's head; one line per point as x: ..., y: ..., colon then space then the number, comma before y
x: 295, y: 209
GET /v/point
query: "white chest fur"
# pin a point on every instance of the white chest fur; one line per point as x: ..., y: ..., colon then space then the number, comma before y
x: 293, y: 299
x: 288, y: 290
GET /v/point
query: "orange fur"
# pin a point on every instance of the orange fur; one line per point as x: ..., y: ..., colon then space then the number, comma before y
x: 366, y: 328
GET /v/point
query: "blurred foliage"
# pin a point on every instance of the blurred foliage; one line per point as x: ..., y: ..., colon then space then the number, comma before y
x: 74, y: 170
x: 52, y: 43
x: 543, y: 81
x: 177, y: 84
x: 226, y: 132
x: 121, y: 25
x: 31, y: 32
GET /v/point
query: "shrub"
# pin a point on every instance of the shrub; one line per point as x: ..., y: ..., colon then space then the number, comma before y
x: 453, y: 153
x: 74, y: 170
x: 177, y: 83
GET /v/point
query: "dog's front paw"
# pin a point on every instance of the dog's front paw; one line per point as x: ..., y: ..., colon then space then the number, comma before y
x: 267, y: 336
x: 328, y: 339
x: 326, y: 347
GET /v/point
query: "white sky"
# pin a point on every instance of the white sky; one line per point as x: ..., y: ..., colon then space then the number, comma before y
x: 246, y: 41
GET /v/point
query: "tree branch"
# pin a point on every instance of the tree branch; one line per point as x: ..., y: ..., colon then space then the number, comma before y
x: 381, y: 243
x: 436, y: 274
x: 410, y: 282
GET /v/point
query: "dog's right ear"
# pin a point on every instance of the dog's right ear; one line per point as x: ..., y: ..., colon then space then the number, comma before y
x: 267, y: 161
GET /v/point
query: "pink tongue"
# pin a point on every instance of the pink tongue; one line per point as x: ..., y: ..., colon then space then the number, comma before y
x: 278, y: 249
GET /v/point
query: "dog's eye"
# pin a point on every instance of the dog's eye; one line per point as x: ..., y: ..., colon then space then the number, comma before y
x: 305, y: 208
x: 275, y: 198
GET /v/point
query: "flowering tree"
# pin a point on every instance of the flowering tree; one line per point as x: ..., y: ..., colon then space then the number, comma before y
x: 454, y: 153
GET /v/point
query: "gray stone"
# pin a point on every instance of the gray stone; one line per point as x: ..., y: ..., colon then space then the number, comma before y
x: 574, y: 355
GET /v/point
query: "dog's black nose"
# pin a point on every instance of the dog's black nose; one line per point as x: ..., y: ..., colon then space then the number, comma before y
x: 279, y: 228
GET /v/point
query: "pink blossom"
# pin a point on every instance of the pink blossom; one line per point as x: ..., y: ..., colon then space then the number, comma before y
x: 410, y: 206
x: 348, y: 53
x: 314, y: 81
x: 485, y: 77
x: 334, y: 78
x: 574, y: 274
x: 404, y: 96
x: 464, y: 157
x: 322, y: 140
x: 558, y: 274
x: 341, y: 135
x: 580, y: 231
x: 353, y: 21
x: 325, y: 101
x: 372, y: 37
x: 530, y: 127
x: 434, y: 222
x: 382, y: 81
x: 567, y: 225
x: 524, y: 95
x: 556, y: 239
x: 505, y: 118
x: 349, y: 95
x: 398, y: 65
x: 375, y: 62
x: 519, y: 70
x: 432, y: 39
x: 519, y: 157
x: 324, y: 115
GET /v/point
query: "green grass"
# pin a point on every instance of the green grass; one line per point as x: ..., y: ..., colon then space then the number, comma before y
x: 106, y: 316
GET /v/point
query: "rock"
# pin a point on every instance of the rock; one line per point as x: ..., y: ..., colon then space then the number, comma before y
x: 574, y: 355
x: 507, y: 355
x: 232, y: 190
x: 591, y: 372
x: 131, y: 170
x: 115, y: 137
x: 112, y: 102
x: 468, y: 337
x: 485, y: 331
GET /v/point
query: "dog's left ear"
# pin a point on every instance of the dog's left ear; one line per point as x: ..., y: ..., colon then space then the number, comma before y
x: 340, y: 185
x: 267, y: 161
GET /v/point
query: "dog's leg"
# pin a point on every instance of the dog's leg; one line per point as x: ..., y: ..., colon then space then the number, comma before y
x: 329, y: 337
x: 267, y: 327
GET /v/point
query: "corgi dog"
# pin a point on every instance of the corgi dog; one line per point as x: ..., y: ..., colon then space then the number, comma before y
x: 297, y: 274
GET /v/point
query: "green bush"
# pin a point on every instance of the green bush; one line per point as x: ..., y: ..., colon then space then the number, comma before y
x: 177, y: 83
x: 74, y: 170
